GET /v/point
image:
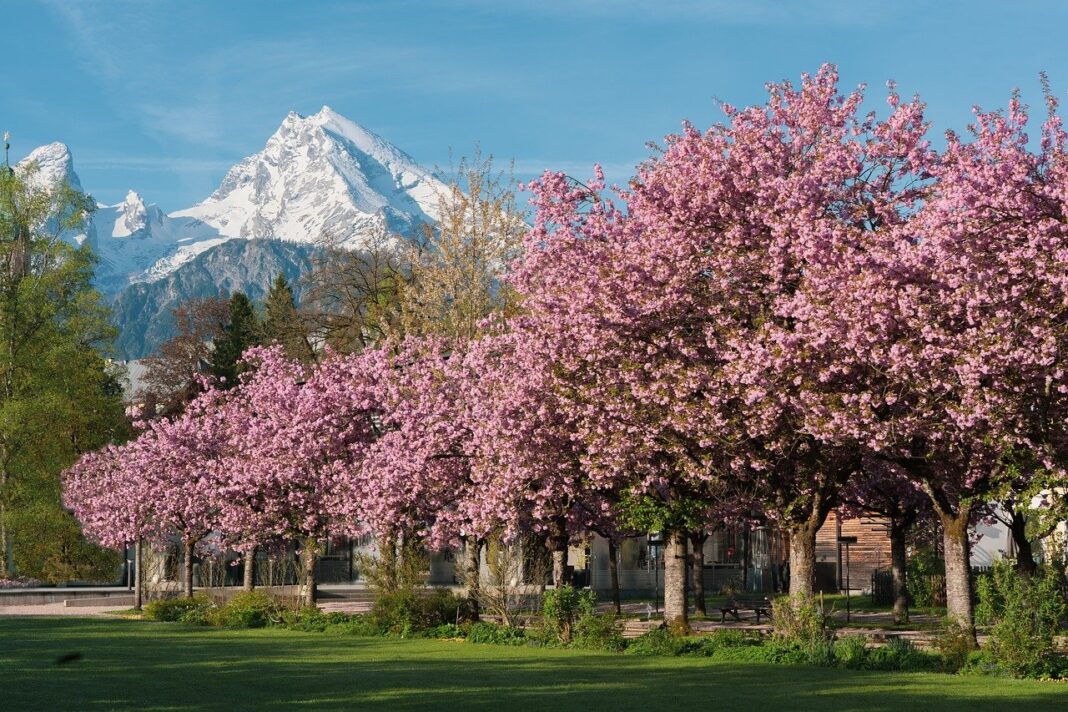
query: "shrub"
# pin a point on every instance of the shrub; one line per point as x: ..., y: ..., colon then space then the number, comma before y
x: 309, y: 619
x: 562, y: 607
x: 1024, y: 617
x: 801, y: 621
x: 406, y: 612
x: 447, y: 631
x: 249, y: 609
x: 495, y: 634
x: 851, y: 651
x: 954, y: 643
x: 925, y: 579
x: 658, y: 642
x: 900, y: 654
x: 598, y: 633
x: 721, y: 640
x: 193, y: 609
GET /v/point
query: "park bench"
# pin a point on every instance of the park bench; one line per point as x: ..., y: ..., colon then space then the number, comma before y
x: 760, y: 605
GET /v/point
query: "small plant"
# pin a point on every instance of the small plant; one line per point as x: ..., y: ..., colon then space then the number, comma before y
x: 192, y: 610
x: 562, y: 607
x: 1024, y: 618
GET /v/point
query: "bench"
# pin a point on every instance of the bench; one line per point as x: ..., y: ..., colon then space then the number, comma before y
x: 760, y: 605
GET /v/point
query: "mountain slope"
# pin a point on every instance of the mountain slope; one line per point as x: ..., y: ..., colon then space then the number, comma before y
x: 143, y: 310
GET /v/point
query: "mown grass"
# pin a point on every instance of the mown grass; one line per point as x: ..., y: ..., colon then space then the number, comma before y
x: 126, y: 664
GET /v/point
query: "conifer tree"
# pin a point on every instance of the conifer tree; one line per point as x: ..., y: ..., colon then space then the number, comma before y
x: 241, y: 331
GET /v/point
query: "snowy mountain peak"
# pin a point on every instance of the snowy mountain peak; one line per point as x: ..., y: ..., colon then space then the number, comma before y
x: 321, y: 177
x: 54, y: 164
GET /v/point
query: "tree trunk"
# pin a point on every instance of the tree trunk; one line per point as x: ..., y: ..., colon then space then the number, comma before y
x: 675, y: 614
x: 803, y: 558
x: 613, y: 570
x: 697, y: 543
x: 958, y: 569
x: 472, y: 574
x: 387, y: 550
x: 559, y: 541
x: 309, y: 556
x: 1025, y: 555
x: 187, y: 568
x: 249, y: 574
x: 897, y: 572
x: 138, y: 582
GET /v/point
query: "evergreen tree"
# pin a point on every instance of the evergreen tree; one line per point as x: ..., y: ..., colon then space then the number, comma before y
x: 241, y: 331
x: 282, y: 323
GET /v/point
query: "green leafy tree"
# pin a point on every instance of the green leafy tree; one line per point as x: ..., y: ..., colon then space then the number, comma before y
x: 59, y: 396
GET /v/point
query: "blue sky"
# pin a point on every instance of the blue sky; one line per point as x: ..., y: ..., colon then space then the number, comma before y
x: 164, y: 96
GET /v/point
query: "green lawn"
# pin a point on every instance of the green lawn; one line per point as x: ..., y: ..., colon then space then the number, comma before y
x: 128, y: 664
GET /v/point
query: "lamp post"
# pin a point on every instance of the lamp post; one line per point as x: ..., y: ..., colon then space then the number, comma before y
x: 847, y: 540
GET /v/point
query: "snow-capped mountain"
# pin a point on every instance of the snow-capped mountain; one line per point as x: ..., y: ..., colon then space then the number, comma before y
x: 320, y: 179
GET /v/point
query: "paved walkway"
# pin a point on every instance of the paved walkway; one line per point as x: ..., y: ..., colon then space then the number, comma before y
x: 58, y: 609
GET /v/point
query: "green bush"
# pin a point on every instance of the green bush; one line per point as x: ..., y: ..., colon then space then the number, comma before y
x: 562, y: 607
x: 659, y: 642
x: 406, y: 612
x: 925, y: 579
x: 851, y: 651
x: 723, y: 639
x: 447, y: 631
x: 193, y: 609
x: 800, y: 620
x: 596, y: 632
x: 901, y: 654
x: 495, y: 634
x: 249, y: 609
x: 955, y: 643
x: 1024, y: 618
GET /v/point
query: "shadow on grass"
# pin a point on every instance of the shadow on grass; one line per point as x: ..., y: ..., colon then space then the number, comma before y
x: 138, y: 665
